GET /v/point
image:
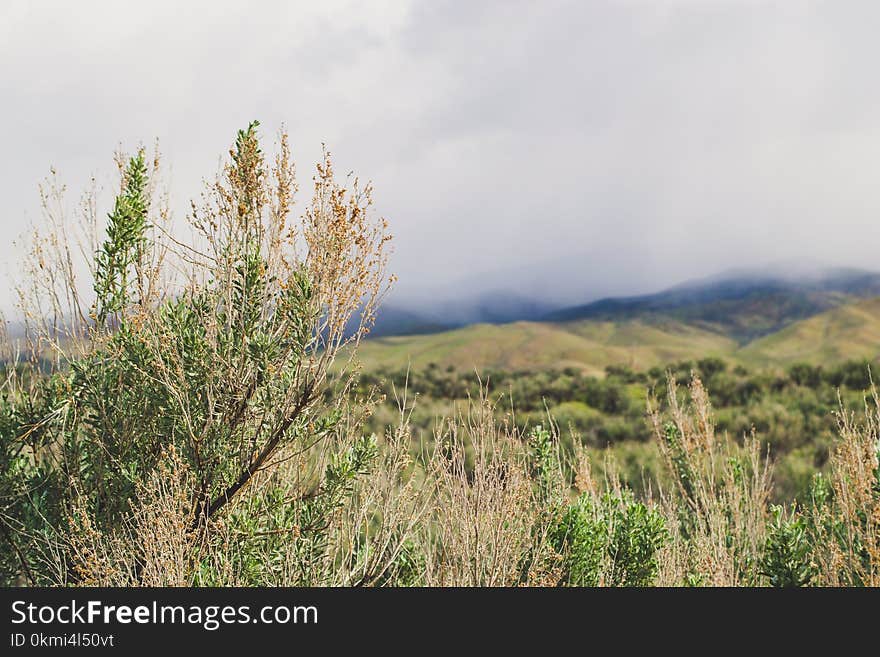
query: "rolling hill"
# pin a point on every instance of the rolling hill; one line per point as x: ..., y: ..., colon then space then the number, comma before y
x: 847, y: 332
x: 587, y: 346
x: 754, y: 320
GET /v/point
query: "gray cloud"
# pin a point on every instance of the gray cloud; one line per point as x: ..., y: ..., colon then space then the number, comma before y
x: 570, y: 147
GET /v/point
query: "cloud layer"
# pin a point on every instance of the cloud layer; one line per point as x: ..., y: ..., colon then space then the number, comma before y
x: 562, y: 148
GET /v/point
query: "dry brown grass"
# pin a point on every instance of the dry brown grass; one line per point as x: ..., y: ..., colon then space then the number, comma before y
x: 717, y: 513
x: 153, y: 547
x: 847, y: 526
x: 484, y: 505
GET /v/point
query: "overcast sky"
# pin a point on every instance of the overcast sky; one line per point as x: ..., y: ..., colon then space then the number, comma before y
x: 563, y: 148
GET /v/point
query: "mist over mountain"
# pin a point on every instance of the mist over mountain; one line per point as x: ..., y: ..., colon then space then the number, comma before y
x: 496, y: 295
x: 742, y: 303
x: 487, y: 308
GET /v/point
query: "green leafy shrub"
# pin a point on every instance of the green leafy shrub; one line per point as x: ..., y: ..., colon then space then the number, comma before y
x: 787, y: 560
x: 612, y: 540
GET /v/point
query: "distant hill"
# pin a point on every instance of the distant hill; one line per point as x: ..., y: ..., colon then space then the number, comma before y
x: 743, y: 307
x: 846, y: 332
x: 756, y: 320
x: 587, y: 346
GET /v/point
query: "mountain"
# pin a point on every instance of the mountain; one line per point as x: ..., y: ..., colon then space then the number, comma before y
x: 744, y: 306
x: 849, y: 332
x: 755, y: 319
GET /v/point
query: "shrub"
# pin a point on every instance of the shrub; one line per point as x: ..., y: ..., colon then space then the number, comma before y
x: 609, y: 540
x: 229, y: 366
x: 787, y: 551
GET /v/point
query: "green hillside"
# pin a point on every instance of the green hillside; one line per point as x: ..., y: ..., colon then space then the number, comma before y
x: 847, y: 332
x: 587, y: 346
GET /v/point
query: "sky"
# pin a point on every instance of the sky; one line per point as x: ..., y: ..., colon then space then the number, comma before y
x: 564, y: 150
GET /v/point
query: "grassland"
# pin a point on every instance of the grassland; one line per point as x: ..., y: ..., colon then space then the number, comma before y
x: 587, y: 346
